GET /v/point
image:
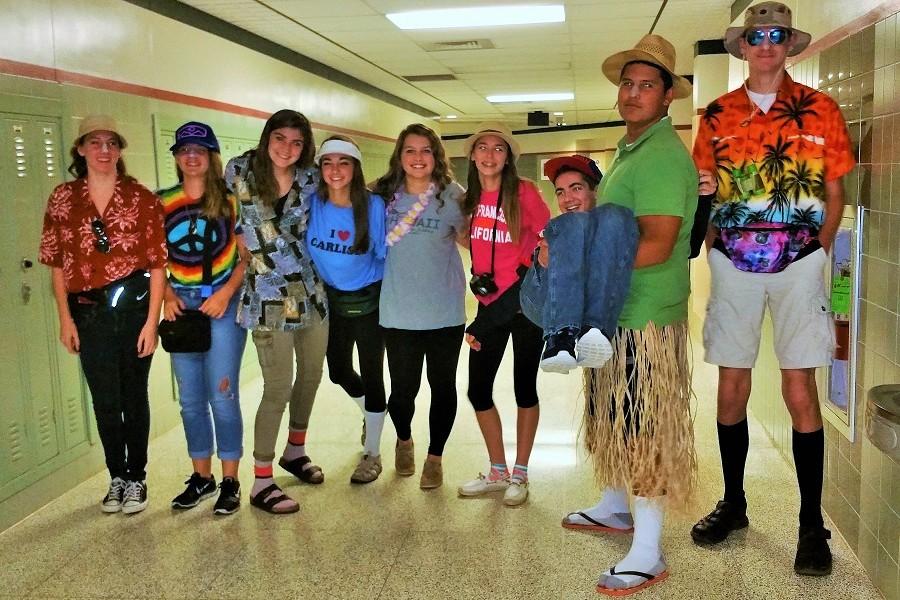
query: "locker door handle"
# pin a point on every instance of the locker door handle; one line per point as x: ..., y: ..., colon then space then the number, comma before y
x: 26, y: 293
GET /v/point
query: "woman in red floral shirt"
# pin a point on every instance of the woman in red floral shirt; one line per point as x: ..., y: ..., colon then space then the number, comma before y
x: 104, y: 242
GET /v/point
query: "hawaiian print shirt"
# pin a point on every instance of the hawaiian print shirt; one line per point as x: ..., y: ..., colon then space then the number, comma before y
x: 132, y: 222
x: 281, y: 286
x: 772, y: 167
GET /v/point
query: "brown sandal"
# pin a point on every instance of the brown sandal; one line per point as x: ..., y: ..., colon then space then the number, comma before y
x: 298, y: 468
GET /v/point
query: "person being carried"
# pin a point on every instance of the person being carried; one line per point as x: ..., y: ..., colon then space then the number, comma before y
x: 576, y: 293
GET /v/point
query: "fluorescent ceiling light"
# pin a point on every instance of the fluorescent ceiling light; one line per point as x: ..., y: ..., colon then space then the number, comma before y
x: 501, y: 98
x: 451, y: 116
x: 481, y: 16
x: 557, y: 114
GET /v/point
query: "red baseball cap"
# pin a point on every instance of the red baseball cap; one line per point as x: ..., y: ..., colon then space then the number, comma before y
x: 575, y: 162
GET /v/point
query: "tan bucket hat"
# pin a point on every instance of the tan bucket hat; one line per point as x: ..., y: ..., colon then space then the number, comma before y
x: 766, y: 14
x: 93, y: 123
x: 493, y: 128
x: 655, y: 50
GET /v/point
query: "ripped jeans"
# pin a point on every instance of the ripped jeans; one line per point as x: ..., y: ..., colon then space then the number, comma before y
x: 211, y: 380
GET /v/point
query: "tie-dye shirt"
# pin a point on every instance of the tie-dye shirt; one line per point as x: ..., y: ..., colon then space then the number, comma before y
x: 795, y: 148
x: 186, y: 234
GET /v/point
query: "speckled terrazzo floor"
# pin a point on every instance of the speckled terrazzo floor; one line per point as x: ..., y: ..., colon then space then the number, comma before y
x: 391, y: 540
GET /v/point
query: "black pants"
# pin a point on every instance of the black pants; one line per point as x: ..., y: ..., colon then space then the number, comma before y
x: 117, y: 379
x: 527, y: 339
x: 406, y: 351
x: 343, y: 333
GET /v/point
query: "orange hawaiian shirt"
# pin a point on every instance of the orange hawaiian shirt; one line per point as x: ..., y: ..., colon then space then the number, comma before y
x: 772, y: 167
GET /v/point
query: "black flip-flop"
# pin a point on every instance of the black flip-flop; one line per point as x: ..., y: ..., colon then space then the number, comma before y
x: 651, y: 579
x: 312, y: 474
x: 592, y: 524
x: 271, y: 500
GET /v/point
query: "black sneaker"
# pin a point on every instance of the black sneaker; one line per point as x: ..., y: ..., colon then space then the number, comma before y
x: 198, y: 488
x: 813, y: 554
x: 112, y: 501
x: 134, y: 500
x: 715, y: 527
x: 559, y: 353
x: 229, y: 500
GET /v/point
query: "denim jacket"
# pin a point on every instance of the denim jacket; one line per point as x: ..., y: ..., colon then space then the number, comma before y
x: 281, y: 286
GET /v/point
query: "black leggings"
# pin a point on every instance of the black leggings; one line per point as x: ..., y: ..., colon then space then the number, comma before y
x: 527, y: 339
x: 343, y: 333
x: 406, y: 351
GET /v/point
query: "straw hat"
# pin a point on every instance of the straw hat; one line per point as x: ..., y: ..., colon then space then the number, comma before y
x: 766, y: 14
x: 93, y: 123
x: 653, y: 49
x: 493, y: 128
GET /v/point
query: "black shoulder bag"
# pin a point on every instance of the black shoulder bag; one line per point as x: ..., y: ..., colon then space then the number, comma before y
x: 191, y: 331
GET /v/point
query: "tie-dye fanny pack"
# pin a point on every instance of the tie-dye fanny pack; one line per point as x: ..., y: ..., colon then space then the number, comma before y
x: 764, y: 248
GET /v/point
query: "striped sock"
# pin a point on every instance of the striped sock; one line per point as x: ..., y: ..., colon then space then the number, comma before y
x: 296, y: 446
x: 520, y: 473
x: 498, y: 472
x: 262, y: 470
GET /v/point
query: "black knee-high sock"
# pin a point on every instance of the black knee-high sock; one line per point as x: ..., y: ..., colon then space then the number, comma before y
x: 734, y: 442
x: 809, y: 459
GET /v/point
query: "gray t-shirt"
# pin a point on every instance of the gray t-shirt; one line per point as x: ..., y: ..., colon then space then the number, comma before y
x: 424, y: 283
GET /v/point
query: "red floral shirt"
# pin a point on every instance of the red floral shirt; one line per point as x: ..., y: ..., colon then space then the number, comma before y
x: 133, y: 222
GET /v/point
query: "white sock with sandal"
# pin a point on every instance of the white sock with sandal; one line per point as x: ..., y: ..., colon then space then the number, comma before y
x: 612, y: 510
x: 374, y: 426
x: 645, y: 555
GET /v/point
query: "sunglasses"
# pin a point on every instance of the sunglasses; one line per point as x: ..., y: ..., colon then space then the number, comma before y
x: 776, y: 36
x: 101, y: 240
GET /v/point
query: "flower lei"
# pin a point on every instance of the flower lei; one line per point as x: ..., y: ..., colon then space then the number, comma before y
x: 405, y: 224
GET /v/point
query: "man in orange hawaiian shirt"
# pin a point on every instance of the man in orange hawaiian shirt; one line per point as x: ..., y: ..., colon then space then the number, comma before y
x: 777, y: 151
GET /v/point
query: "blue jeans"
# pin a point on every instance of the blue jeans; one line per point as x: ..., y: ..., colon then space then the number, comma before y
x: 587, y: 281
x: 211, y: 380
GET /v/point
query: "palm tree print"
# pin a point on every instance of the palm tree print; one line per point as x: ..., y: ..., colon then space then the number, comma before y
x: 730, y: 214
x: 776, y: 157
x: 711, y: 114
x: 818, y: 185
x: 795, y: 108
x: 756, y: 216
x: 724, y: 165
x: 779, y: 202
x: 807, y: 217
x: 799, y: 181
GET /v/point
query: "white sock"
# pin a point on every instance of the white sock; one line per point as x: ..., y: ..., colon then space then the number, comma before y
x: 610, y: 510
x: 645, y: 553
x: 374, y: 425
x: 361, y: 403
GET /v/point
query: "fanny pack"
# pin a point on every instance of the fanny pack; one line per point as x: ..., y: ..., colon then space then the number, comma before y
x: 765, y: 249
x: 190, y: 332
x: 127, y: 293
x: 358, y: 303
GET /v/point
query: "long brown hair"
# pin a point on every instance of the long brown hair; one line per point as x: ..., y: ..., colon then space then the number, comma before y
x: 509, y: 193
x: 386, y: 185
x: 359, y: 200
x: 261, y: 164
x: 78, y: 166
x: 214, y: 203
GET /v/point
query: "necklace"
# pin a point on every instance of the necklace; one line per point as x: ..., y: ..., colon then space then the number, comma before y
x: 405, y: 224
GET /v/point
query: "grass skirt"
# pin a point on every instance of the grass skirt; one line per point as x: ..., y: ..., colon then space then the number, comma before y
x: 638, y: 426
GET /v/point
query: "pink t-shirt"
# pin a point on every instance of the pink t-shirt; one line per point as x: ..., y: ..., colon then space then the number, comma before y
x: 534, y: 216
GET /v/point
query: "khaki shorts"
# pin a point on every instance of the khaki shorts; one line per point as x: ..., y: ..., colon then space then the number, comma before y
x: 801, y: 317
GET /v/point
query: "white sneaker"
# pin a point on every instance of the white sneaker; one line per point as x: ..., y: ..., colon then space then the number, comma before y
x: 482, y: 485
x: 112, y: 501
x: 516, y: 493
x: 135, y: 498
x: 593, y: 349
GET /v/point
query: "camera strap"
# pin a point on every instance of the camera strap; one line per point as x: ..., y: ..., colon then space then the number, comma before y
x: 493, y: 237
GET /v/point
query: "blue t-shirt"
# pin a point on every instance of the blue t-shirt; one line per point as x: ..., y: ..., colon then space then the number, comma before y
x: 329, y: 239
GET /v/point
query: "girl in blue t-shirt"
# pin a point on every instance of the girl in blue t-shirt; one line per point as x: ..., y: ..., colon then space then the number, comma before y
x: 346, y: 239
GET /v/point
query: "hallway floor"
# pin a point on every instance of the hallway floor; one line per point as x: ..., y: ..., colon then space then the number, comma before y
x: 391, y: 540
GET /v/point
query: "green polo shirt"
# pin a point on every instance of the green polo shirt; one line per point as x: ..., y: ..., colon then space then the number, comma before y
x: 656, y: 176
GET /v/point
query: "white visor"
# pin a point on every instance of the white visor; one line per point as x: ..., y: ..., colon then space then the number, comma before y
x: 338, y: 147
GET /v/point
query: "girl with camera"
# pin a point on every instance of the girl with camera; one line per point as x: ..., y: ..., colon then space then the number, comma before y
x: 423, y: 295
x: 104, y: 242
x: 205, y: 272
x: 346, y: 240
x: 508, y: 215
x: 283, y: 300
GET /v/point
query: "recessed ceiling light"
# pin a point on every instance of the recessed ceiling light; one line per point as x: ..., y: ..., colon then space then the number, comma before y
x: 557, y: 114
x: 481, y: 16
x: 501, y: 98
x: 451, y: 116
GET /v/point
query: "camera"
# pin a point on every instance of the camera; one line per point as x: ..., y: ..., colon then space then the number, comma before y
x: 482, y: 285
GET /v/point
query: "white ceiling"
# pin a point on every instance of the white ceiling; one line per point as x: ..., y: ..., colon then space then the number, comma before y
x: 354, y: 36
